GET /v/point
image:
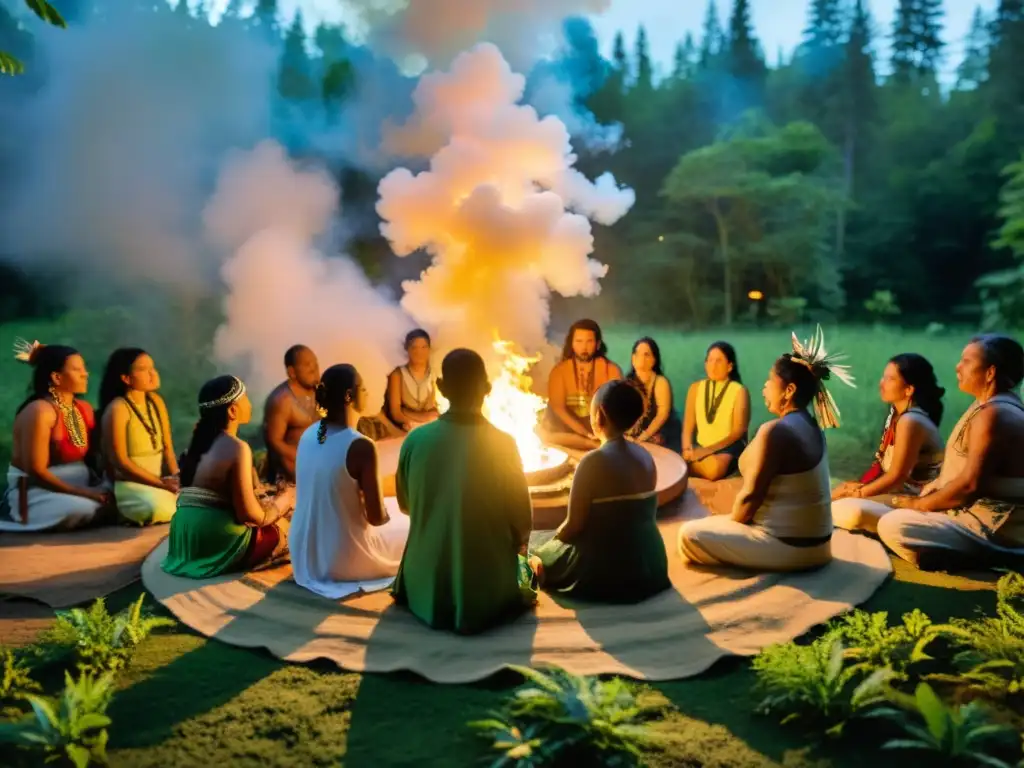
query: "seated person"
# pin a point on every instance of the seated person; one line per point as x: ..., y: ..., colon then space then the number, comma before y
x: 571, y: 386
x: 717, y: 416
x: 221, y: 525
x: 973, y: 514
x: 609, y: 548
x: 910, y: 453
x: 410, y: 399
x: 288, y: 412
x: 660, y: 423
x: 49, y: 484
x: 342, y: 539
x: 461, y: 481
x: 781, y: 520
x: 138, y: 453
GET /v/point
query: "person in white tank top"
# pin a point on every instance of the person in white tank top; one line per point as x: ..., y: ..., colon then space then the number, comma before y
x: 345, y: 538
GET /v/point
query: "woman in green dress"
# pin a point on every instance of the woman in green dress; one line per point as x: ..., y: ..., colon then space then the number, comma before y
x: 609, y: 548
x: 138, y: 453
x: 222, y: 525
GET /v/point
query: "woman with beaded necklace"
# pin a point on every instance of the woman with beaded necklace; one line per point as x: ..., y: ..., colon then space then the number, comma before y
x: 138, y: 452
x: 221, y: 524
x: 717, y: 416
x: 49, y: 484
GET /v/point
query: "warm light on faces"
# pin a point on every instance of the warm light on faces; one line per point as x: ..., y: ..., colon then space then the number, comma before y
x: 419, y: 352
x: 892, y: 387
x: 717, y: 365
x: 776, y: 394
x: 360, y: 395
x: 144, y: 376
x: 643, y: 358
x: 306, y: 370
x: 971, y: 373
x: 241, y: 410
x: 584, y: 345
x: 74, y: 377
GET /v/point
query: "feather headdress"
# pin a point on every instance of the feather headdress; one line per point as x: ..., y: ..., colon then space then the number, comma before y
x: 812, y: 354
x: 24, y: 350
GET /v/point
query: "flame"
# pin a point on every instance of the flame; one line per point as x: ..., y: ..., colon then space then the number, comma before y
x: 514, y: 408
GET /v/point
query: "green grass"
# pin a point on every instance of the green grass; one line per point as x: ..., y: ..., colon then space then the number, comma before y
x: 189, y: 701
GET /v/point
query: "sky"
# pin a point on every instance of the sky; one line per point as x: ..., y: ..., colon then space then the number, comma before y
x: 776, y: 22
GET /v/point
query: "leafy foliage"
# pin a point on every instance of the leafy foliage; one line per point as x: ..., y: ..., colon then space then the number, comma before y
x: 559, y: 716
x: 962, y: 734
x: 101, y: 642
x: 871, y: 643
x: 9, y: 65
x: 992, y: 648
x: 16, y: 684
x: 814, y: 682
x: 72, y: 727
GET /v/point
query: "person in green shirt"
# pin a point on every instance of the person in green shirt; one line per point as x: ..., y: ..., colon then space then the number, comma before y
x: 460, y: 479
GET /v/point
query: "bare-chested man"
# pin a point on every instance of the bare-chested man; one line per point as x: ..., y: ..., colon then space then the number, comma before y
x: 584, y: 368
x: 289, y: 411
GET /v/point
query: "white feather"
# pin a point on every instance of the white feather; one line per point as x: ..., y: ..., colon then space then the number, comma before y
x: 23, y: 349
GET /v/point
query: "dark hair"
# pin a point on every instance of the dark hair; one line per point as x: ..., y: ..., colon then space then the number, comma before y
x: 45, y: 361
x: 622, y: 403
x: 292, y: 355
x: 730, y: 354
x: 332, y: 394
x: 806, y: 378
x: 462, y: 373
x: 655, y: 351
x: 918, y: 373
x: 212, y: 421
x: 1005, y: 355
x: 119, y: 364
x: 416, y: 333
x: 586, y: 324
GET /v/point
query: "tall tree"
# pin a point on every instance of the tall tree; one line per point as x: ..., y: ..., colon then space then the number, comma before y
x: 265, y: 19
x: 644, y: 73
x: 685, y: 58
x: 917, y: 41
x: 744, y: 63
x: 1006, y: 85
x: 712, y: 42
x: 973, y: 70
x: 825, y: 24
x: 295, y: 81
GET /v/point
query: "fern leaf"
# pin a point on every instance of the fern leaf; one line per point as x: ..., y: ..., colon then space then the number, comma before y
x: 9, y: 65
x: 46, y: 12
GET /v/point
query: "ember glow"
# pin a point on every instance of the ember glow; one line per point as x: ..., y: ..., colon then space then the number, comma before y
x: 514, y: 408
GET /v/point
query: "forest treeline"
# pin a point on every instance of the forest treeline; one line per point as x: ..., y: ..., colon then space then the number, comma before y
x: 817, y: 183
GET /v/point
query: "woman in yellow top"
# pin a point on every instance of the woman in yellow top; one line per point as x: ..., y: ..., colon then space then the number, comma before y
x: 136, y: 432
x: 717, y: 417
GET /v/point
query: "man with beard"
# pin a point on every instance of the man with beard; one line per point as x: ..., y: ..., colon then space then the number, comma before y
x: 583, y: 370
x: 288, y: 412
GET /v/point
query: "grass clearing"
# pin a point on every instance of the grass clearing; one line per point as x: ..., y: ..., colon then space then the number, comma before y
x: 189, y: 701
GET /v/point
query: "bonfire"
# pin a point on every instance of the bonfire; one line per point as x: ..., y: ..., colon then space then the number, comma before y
x: 513, y: 407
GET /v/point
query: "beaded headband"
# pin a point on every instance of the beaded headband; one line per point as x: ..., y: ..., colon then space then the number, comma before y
x: 24, y: 350
x: 233, y: 394
x: 812, y: 355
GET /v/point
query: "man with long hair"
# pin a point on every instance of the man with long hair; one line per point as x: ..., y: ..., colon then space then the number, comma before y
x: 583, y: 370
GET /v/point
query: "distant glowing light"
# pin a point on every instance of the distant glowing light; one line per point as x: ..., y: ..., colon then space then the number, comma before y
x: 661, y: 238
x: 755, y: 295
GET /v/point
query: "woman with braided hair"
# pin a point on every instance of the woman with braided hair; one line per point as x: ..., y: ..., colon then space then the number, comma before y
x: 343, y: 539
x: 781, y: 520
x: 221, y: 524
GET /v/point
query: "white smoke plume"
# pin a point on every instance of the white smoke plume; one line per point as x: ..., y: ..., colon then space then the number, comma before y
x: 501, y: 209
x: 438, y: 29
x: 110, y: 162
x: 552, y: 95
x: 269, y: 215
